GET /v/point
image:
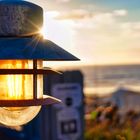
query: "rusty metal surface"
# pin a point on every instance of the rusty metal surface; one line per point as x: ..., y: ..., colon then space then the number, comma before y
x: 32, y: 48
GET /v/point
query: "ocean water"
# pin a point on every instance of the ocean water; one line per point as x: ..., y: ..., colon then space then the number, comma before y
x: 102, y: 80
x: 107, y: 79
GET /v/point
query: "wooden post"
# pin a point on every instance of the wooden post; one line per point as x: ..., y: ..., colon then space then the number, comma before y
x: 50, y: 115
x: 50, y: 124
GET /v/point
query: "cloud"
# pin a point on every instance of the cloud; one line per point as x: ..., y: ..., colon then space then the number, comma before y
x: 75, y: 14
x: 51, y: 14
x: 63, y: 1
x: 107, y: 39
x: 120, y: 12
x: 107, y: 21
x: 79, y: 14
x: 101, y: 37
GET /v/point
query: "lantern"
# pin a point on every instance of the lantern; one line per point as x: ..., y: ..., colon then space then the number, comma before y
x: 22, y: 52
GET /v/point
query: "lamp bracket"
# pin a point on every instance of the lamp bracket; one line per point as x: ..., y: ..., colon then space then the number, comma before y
x: 46, y: 100
x: 28, y: 71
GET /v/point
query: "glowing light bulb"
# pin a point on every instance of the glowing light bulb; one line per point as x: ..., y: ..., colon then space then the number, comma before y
x: 18, y: 87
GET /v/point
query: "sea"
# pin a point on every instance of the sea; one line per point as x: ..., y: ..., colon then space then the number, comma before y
x: 104, y: 80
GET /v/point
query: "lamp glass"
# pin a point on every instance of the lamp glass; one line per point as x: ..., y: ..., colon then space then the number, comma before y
x: 18, y: 87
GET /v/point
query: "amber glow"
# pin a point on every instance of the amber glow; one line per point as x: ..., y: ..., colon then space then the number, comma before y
x: 42, y: 32
x: 16, y: 86
x: 15, y: 83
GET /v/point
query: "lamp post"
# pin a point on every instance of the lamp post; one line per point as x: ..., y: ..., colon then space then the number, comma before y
x: 22, y: 52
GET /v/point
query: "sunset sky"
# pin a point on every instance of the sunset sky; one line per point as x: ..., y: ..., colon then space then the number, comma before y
x: 96, y: 31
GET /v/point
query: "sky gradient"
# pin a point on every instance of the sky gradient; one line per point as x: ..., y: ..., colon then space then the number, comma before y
x: 97, y: 31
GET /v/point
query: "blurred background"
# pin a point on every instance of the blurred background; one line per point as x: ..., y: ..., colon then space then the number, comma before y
x: 105, y: 35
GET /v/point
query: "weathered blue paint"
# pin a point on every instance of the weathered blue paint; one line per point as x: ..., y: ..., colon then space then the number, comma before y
x: 20, y: 22
x: 32, y: 48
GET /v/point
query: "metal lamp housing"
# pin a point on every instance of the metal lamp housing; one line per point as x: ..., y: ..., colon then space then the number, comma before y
x: 22, y: 52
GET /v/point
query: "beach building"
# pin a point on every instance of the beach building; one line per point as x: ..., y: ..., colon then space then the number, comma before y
x: 126, y: 100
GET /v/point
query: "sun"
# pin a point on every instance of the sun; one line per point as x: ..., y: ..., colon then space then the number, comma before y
x: 42, y: 32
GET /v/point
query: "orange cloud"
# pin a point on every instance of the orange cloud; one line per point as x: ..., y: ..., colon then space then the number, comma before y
x: 75, y: 14
x: 98, y: 38
x: 63, y: 1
